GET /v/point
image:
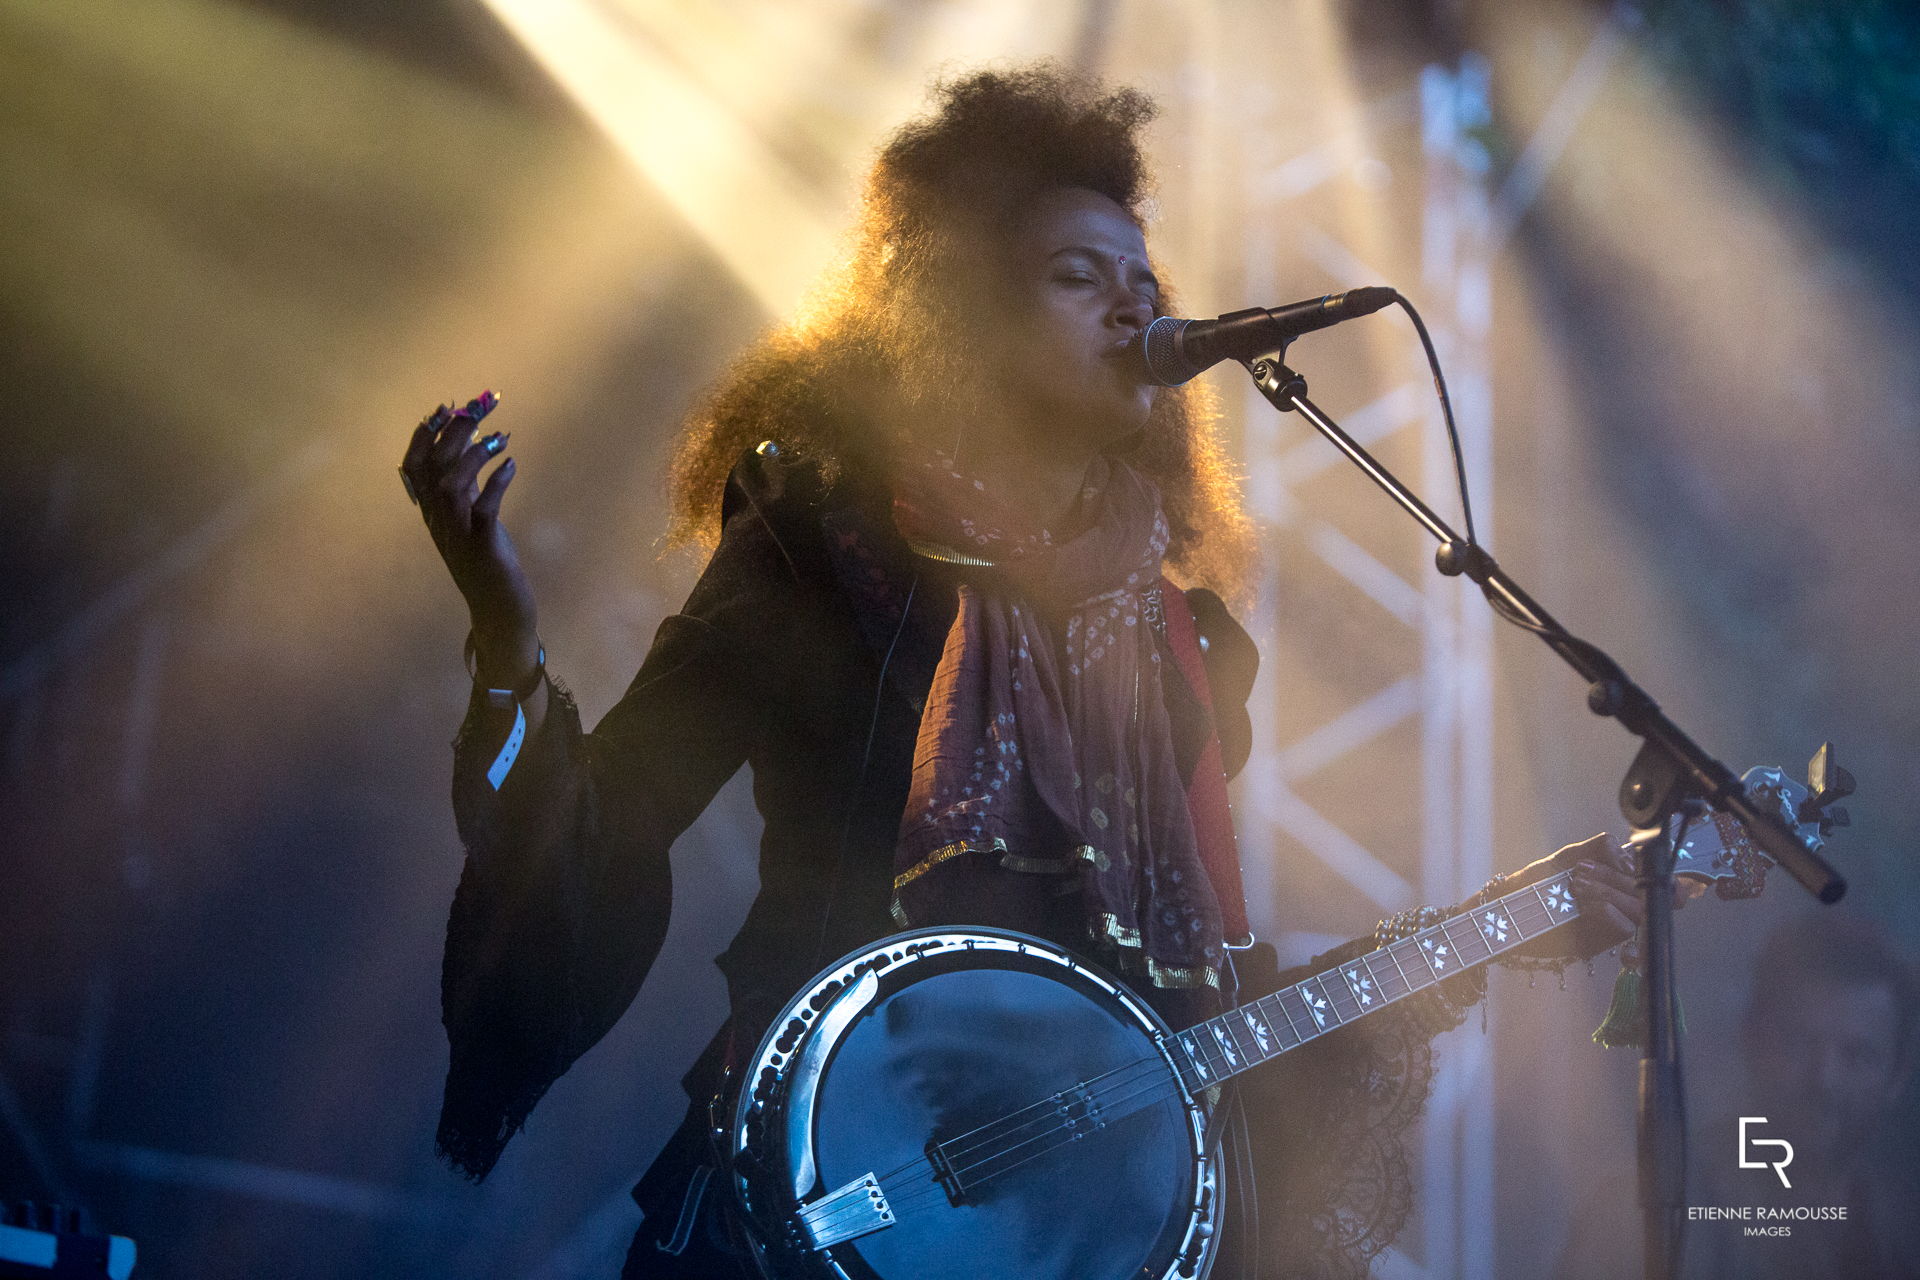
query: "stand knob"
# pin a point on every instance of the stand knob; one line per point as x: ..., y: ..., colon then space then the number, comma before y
x: 1827, y: 782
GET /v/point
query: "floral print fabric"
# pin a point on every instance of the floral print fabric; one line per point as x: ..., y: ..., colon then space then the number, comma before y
x: 1045, y: 743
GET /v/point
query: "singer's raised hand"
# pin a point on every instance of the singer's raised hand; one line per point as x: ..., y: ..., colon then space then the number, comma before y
x: 441, y: 470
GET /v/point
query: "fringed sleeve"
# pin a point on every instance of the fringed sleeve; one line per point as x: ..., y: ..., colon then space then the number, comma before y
x: 563, y: 901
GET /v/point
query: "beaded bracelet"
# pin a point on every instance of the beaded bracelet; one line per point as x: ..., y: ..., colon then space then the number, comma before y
x: 1451, y: 1011
x: 1532, y: 966
x: 1404, y: 924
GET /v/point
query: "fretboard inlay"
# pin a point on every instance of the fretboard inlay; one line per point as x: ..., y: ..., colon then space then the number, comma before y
x: 1221, y: 1034
x: 1362, y: 986
x: 1266, y: 1028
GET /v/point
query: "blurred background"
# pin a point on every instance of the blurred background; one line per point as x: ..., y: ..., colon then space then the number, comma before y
x: 1669, y: 255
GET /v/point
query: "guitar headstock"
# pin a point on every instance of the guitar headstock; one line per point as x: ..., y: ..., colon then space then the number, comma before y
x: 1717, y: 848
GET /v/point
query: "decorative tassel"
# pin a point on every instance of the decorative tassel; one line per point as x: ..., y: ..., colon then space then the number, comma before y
x: 1625, y: 1026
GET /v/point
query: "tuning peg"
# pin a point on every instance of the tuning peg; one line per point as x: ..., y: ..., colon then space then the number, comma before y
x: 1828, y: 782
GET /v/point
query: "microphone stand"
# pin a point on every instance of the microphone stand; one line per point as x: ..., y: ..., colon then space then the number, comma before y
x: 1671, y: 778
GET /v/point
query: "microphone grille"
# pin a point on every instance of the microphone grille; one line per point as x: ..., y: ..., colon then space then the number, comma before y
x: 1162, y: 350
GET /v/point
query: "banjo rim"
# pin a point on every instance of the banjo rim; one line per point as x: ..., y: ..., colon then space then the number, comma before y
x: 779, y: 1080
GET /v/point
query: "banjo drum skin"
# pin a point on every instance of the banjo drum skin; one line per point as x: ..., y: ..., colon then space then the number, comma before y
x: 951, y: 1104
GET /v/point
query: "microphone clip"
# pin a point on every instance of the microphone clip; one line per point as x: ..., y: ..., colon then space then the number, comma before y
x: 1276, y: 380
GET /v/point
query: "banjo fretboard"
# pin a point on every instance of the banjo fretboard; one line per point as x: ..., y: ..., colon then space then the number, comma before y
x: 1241, y: 1038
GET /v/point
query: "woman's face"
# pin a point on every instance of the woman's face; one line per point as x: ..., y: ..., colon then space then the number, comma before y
x: 1083, y: 291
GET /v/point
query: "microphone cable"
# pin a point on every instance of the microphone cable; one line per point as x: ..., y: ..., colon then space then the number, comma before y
x: 1446, y: 412
x: 1501, y: 606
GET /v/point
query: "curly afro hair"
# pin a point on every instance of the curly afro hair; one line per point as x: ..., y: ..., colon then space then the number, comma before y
x: 893, y: 336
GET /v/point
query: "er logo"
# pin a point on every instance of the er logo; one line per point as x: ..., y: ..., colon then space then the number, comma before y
x: 1779, y: 1166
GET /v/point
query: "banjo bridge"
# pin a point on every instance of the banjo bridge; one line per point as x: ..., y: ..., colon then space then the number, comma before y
x: 1070, y: 1115
x: 857, y: 1209
x: 946, y: 1175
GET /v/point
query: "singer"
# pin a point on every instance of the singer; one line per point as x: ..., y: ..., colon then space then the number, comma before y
x: 965, y: 615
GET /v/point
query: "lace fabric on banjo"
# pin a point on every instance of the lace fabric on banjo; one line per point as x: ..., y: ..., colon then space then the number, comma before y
x: 1334, y: 1176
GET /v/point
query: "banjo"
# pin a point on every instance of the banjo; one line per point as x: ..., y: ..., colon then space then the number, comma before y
x: 956, y: 1103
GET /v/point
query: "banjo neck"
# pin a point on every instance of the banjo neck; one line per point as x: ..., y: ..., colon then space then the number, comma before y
x: 1240, y: 1039
x: 1715, y: 851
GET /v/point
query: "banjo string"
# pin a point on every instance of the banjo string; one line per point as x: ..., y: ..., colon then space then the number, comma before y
x: 919, y: 1196
x: 1044, y: 1107
x: 1147, y: 1087
x: 1039, y: 1110
x: 1144, y: 1088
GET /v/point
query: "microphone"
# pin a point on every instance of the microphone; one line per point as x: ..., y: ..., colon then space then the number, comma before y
x: 1174, y: 350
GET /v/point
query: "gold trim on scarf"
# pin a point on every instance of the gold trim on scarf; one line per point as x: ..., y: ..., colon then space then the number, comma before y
x: 946, y: 555
x: 940, y: 855
x: 1008, y: 859
x: 1127, y: 941
x: 1055, y: 866
x: 944, y: 853
x: 1116, y: 932
x: 1038, y: 866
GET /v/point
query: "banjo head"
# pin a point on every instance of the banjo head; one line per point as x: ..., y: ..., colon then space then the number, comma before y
x: 1015, y: 1106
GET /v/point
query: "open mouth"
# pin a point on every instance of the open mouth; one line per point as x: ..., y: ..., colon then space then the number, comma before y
x: 1129, y: 356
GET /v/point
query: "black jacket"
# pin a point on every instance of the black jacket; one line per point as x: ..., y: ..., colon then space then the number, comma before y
x: 806, y: 649
x: 775, y: 660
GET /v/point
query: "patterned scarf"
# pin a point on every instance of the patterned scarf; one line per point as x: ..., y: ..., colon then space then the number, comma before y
x: 1045, y: 742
